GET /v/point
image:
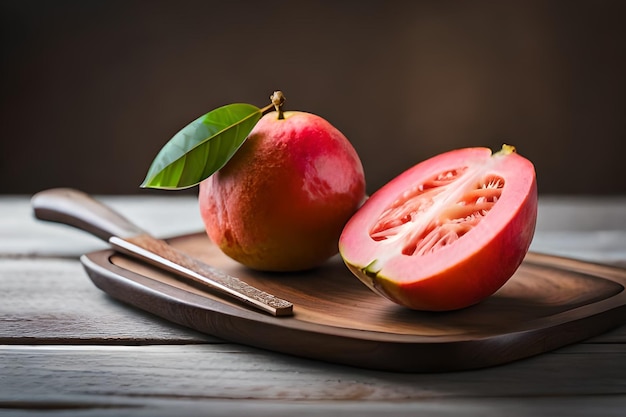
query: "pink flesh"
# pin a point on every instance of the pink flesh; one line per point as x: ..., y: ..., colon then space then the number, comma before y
x: 449, y: 225
x: 435, y: 211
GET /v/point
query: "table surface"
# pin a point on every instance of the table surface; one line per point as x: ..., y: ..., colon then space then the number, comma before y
x: 66, y: 348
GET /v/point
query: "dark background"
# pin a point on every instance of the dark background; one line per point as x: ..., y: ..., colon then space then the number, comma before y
x: 91, y: 90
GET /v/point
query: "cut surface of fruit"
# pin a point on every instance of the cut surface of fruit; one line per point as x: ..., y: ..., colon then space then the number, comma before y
x: 446, y: 233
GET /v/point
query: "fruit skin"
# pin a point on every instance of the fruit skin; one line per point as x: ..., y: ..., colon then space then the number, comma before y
x: 467, y: 271
x: 281, y: 202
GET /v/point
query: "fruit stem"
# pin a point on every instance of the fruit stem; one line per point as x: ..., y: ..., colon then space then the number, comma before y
x: 507, y: 150
x: 278, y: 99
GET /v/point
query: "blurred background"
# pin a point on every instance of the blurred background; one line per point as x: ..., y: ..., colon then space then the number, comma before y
x: 91, y: 90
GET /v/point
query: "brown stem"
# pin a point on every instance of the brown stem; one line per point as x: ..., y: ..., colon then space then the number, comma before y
x: 278, y: 99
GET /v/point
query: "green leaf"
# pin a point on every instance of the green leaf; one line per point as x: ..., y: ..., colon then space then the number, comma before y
x: 202, y: 147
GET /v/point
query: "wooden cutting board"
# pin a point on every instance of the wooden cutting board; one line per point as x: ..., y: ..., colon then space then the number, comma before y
x: 550, y: 302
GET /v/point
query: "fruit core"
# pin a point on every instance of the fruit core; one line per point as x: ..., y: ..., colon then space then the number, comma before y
x: 437, y: 212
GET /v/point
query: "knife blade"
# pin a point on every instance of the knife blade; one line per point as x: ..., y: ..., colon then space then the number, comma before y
x: 76, y: 208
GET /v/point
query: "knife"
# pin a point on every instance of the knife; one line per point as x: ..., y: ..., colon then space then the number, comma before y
x: 78, y: 209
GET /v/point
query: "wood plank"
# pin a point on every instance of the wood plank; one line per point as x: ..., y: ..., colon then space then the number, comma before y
x: 53, y: 301
x: 592, y: 213
x: 582, y: 227
x: 209, y: 372
x: 564, y: 226
x: 611, y: 406
x: 115, y: 406
x: 23, y: 235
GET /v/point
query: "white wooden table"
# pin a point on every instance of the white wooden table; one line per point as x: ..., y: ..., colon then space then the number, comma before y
x: 66, y: 348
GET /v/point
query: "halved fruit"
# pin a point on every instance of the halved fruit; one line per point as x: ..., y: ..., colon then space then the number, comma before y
x: 448, y: 232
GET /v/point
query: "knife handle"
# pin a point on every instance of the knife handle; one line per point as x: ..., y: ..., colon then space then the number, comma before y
x: 78, y: 209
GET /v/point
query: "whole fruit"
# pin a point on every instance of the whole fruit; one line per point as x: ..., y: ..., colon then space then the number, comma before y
x: 448, y: 232
x: 283, y: 199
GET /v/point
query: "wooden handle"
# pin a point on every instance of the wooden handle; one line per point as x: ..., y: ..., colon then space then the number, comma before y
x: 75, y: 208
